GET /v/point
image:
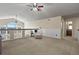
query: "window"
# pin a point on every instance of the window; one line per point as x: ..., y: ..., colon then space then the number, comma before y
x: 70, y: 27
x: 69, y: 24
x: 11, y: 25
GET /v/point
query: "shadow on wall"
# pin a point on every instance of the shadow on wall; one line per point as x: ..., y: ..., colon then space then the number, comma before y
x: 54, y: 33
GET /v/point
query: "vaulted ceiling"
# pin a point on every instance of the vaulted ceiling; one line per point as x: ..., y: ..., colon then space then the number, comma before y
x: 8, y: 10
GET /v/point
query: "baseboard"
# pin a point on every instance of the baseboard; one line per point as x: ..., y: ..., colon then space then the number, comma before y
x: 51, y: 37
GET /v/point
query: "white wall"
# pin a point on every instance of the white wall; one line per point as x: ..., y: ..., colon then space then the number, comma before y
x: 50, y: 27
x: 75, y: 26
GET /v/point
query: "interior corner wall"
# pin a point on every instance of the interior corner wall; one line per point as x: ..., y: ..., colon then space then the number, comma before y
x: 50, y: 27
x: 63, y: 29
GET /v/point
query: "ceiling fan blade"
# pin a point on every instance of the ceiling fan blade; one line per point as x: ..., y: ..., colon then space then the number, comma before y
x: 35, y: 4
x: 40, y: 6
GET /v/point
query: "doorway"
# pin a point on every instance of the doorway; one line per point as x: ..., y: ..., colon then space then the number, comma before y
x: 69, y: 28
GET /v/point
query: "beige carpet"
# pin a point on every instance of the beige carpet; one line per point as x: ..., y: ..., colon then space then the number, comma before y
x: 45, y: 46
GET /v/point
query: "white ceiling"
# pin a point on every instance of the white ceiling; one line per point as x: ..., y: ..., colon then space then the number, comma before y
x: 49, y: 10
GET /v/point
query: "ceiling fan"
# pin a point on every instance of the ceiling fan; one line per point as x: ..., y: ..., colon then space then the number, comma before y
x: 36, y: 6
x: 33, y: 7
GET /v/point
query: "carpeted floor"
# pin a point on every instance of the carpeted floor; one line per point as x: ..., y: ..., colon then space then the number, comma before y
x: 45, y: 46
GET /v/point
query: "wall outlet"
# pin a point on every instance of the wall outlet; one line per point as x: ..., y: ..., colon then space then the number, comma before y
x: 56, y: 35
